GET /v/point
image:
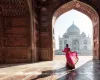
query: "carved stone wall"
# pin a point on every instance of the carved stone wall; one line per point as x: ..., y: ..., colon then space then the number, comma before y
x: 20, y: 39
x: 26, y: 32
x: 1, y: 36
x: 16, y: 39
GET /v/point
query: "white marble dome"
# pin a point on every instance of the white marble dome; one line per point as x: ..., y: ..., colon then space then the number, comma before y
x: 73, y: 30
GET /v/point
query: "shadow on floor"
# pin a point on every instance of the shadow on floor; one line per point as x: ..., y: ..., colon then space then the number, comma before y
x: 48, y: 73
x: 84, y: 72
x: 88, y: 71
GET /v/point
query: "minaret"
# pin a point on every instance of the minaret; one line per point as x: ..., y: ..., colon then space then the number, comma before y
x: 88, y: 35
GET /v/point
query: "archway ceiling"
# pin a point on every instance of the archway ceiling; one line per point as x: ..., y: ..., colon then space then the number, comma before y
x: 20, y: 7
x: 80, y: 6
x: 14, y: 7
x: 53, y: 5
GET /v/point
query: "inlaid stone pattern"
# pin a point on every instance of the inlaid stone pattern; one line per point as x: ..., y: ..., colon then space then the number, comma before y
x: 44, y: 23
x: 14, y: 8
x: 16, y: 39
x: 16, y: 35
x: 16, y: 53
x: 78, y: 6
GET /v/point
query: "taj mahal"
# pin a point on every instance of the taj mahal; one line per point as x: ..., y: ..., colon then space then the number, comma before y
x: 77, y: 41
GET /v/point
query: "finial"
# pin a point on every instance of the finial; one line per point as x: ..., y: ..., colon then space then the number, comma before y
x: 73, y: 22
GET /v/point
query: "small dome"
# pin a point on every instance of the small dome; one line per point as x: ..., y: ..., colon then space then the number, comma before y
x: 65, y: 35
x: 73, y: 30
x: 83, y: 34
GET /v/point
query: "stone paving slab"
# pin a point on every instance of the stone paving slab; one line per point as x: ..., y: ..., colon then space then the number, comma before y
x: 49, y: 70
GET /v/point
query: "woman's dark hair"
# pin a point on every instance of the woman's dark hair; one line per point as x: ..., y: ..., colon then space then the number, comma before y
x: 67, y: 45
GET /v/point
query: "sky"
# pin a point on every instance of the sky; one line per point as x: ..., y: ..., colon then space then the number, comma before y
x: 82, y: 21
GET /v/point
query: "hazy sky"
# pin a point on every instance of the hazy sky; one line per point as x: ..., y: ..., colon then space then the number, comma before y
x: 65, y: 20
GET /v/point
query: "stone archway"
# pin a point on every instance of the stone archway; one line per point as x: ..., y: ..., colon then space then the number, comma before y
x: 1, y: 36
x: 90, y: 12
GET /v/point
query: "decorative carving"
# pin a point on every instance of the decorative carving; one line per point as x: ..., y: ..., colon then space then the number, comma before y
x: 43, y: 9
x: 14, y: 7
x: 16, y: 41
x: 8, y: 22
x: 16, y: 31
x: 44, y: 24
x: 16, y: 53
x: 44, y: 18
x: 20, y: 21
x: 77, y: 5
x: 44, y: 21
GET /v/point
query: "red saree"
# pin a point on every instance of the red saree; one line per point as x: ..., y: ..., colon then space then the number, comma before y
x: 71, y: 57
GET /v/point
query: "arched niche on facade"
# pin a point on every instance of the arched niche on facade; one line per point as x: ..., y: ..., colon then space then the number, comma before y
x: 90, y: 12
x: 75, y: 45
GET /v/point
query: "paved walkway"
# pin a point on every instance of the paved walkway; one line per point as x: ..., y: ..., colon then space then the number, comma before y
x: 86, y: 69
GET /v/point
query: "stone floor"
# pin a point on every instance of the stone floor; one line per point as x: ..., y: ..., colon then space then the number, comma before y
x: 86, y: 69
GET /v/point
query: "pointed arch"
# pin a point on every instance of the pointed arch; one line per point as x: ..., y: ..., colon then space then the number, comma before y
x: 79, y: 6
x: 90, y: 12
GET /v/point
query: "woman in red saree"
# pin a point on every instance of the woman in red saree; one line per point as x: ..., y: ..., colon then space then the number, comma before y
x: 71, y: 57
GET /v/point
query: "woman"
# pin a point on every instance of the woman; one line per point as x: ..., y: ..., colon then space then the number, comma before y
x: 71, y: 57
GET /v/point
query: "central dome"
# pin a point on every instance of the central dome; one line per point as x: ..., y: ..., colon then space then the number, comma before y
x: 73, y: 30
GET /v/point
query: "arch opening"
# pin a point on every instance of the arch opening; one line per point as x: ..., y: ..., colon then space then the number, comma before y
x: 87, y: 10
